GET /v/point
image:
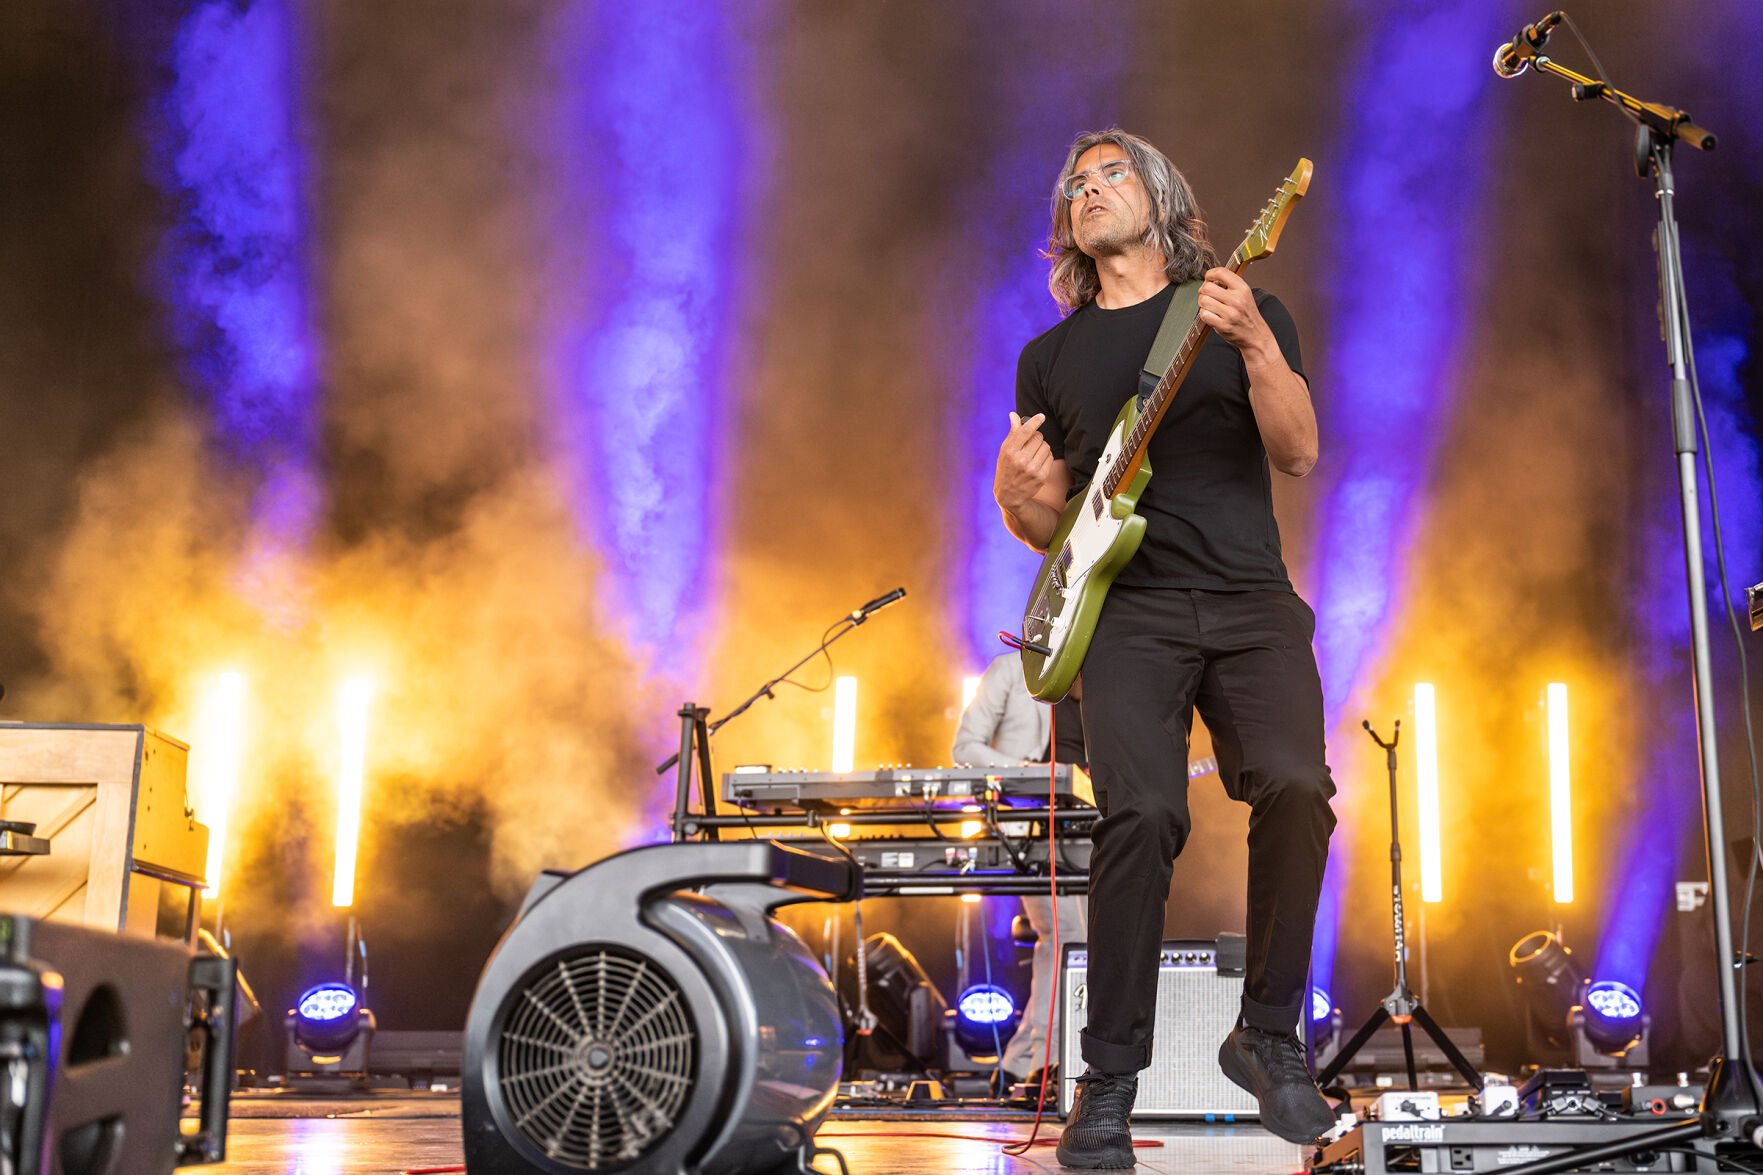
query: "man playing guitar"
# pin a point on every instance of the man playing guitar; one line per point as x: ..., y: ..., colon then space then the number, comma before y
x: 1203, y: 617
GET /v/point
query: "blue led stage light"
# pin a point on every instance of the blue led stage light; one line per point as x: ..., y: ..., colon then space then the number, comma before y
x: 1613, y: 1002
x: 327, y: 1002
x: 985, y: 1003
x: 327, y: 1017
x: 1612, y: 1018
x: 1321, y: 1006
x: 330, y: 1028
x: 984, y: 1017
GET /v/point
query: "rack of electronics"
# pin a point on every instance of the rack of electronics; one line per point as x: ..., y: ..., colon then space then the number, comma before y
x: 926, y: 831
x: 915, y: 833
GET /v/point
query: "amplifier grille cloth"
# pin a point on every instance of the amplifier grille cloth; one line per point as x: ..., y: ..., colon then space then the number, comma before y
x: 1196, y: 1009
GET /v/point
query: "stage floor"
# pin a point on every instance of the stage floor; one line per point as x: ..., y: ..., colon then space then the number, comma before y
x: 387, y: 1134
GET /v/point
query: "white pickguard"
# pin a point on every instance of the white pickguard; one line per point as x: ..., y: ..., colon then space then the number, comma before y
x: 1092, y: 534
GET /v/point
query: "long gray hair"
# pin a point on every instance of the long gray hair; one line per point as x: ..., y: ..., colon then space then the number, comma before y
x: 1176, y: 228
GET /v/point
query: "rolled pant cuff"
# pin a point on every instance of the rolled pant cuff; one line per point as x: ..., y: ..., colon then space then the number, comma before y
x: 1271, y: 1017
x: 1114, y: 1058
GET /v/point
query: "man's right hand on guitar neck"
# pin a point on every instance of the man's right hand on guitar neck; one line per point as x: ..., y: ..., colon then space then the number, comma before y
x: 1030, y: 484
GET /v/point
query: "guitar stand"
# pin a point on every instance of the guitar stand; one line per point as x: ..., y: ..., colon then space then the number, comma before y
x: 1401, y: 1005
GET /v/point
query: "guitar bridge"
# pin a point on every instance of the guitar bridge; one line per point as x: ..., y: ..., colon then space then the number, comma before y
x: 1024, y: 645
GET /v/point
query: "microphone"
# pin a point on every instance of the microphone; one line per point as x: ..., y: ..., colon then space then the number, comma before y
x: 877, y: 604
x: 1514, y: 57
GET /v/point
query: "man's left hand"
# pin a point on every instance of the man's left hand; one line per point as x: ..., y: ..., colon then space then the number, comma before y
x: 1227, y: 305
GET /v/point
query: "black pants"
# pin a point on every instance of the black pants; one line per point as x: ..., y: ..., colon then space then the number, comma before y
x: 1243, y: 659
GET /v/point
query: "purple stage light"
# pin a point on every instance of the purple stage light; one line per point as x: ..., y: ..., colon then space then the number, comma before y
x: 235, y: 268
x: 1397, y: 338
x: 1050, y: 88
x: 661, y: 155
x: 1655, y: 845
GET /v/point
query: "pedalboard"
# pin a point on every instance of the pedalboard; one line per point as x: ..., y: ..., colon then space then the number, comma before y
x: 1662, y: 1101
x: 1471, y: 1146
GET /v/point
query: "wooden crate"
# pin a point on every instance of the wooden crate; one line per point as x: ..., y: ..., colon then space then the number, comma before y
x: 126, y: 851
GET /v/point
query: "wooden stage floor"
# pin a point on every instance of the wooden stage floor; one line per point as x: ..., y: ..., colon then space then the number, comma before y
x: 385, y: 1134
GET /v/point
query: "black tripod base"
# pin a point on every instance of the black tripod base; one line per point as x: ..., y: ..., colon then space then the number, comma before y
x: 1729, y: 1103
x: 1419, y: 1015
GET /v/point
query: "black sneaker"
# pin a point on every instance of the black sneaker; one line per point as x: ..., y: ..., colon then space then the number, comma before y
x: 1096, y: 1134
x: 1271, y: 1066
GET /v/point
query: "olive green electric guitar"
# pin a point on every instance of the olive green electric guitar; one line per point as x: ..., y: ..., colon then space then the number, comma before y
x: 1100, y: 529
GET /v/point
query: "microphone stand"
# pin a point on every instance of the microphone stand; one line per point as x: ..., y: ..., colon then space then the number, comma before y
x: 1730, y: 1113
x: 694, y: 740
x: 1401, y: 1005
x: 1667, y: 123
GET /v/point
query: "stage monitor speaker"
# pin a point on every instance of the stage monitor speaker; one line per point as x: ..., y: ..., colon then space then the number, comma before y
x: 1199, y: 994
x: 134, y: 1016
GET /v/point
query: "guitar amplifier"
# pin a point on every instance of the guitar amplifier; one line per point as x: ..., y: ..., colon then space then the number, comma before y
x: 1198, y: 998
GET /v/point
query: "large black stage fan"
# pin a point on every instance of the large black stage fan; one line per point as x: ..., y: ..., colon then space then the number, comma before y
x: 648, y: 1015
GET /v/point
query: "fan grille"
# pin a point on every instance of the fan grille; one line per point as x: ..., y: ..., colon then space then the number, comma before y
x: 596, y: 1057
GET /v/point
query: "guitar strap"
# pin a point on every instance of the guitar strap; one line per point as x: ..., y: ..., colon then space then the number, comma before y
x: 1184, y: 308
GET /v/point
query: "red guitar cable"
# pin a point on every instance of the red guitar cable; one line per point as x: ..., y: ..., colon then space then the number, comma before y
x: 1021, y: 1148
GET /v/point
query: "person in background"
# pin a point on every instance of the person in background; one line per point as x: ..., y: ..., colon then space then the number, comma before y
x: 1005, y: 727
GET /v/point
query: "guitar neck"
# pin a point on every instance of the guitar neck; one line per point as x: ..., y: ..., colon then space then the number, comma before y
x: 1132, y: 453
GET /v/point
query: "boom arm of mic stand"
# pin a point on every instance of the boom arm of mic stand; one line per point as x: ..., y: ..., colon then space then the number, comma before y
x: 764, y: 691
x: 1667, y: 121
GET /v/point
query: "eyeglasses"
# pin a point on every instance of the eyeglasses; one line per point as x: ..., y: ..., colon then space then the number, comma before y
x: 1111, y: 174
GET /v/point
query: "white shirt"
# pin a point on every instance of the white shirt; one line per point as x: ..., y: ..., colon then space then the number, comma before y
x: 1003, y: 725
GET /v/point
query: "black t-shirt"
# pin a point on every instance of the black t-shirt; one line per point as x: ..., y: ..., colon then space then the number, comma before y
x: 1208, y: 507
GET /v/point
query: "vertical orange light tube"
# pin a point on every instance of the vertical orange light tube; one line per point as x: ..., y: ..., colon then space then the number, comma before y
x: 215, y: 759
x: 1426, y: 766
x: 844, y: 724
x: 1560, y: 793
x: 352, y: 703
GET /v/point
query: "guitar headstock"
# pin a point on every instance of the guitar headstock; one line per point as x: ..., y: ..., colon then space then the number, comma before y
x: 1264, y: 234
